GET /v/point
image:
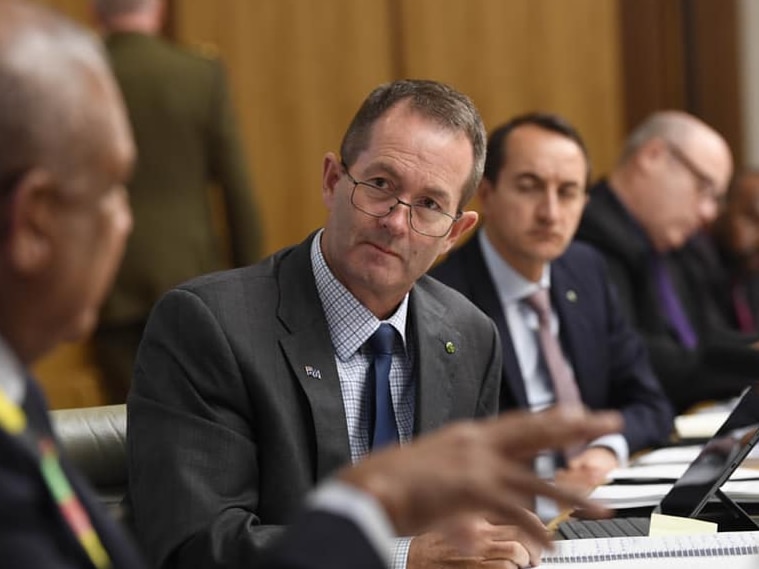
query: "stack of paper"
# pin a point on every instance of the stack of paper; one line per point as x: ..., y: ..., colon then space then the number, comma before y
x: 736, y: 550
x: 645, y: 485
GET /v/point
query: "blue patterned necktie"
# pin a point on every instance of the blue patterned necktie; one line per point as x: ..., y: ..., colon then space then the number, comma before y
x: 385, y: 428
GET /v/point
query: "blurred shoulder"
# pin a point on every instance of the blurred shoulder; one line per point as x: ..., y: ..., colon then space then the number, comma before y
x: 152, y: 51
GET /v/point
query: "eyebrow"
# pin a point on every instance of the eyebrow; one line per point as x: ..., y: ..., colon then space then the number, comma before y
x: 534, y: 176
x: 389, y: 169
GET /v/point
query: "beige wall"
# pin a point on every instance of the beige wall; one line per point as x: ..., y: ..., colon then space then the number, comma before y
x: 299, y: 69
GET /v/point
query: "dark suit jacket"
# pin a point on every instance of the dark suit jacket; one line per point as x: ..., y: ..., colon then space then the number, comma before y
x: 185, y: 133
x: 727, y: 276
x: 33, y: 533
x: 609, y: 361
x: 227, y: 431
x: 722, y: 364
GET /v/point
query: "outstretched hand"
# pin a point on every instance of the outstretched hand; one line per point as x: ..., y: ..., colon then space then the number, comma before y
x: 479, y: 467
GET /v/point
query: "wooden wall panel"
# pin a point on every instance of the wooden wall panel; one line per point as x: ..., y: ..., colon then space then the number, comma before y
x: 299, y: 71
x: 520, y: 55
x: 683, y: 54
x: 713, y: 68
x: 653, y: 57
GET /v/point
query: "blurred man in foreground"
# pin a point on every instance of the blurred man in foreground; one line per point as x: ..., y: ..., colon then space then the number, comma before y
x: 65, y: 153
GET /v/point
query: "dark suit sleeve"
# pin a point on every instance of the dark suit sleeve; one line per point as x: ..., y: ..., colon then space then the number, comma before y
x: 718, y: 369
x: 193, y: 469
x: 33, y: 534
x: 319, y: 540
x: 228, y: 169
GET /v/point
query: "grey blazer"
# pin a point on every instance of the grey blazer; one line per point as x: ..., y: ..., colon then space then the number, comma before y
x: 227, y: 431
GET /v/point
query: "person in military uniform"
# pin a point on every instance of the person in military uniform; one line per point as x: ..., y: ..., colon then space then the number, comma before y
x: 187, y: 144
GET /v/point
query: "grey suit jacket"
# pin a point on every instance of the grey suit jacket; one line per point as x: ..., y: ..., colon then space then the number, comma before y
x: 227, y: 431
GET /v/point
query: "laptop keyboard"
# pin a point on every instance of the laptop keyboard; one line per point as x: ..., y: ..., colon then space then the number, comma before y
x: 614, y: 527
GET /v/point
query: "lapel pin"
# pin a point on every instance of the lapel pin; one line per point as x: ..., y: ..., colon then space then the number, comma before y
x: 571, y: 296
x: 450, y: 348
x: 313, y: 372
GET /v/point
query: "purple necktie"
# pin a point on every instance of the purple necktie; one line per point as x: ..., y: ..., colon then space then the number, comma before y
x: 564, y: 384
x: 670, y: 304
x: 742, y: 308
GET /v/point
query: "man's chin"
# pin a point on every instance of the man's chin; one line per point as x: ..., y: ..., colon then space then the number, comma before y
x: 82, y: 328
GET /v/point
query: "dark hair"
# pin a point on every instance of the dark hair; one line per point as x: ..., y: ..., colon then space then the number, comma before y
x: 440, y: 102
x: 496, y: 151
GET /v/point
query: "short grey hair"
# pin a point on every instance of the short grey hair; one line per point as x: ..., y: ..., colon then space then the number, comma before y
x: 670, y: 126
x: 434, y: 100
x: 49, y: 69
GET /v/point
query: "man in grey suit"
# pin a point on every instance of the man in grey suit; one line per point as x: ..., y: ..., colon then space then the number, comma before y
x: 252, y: 385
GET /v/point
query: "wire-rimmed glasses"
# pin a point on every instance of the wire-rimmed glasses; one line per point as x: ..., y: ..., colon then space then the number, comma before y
x: 424, y: 217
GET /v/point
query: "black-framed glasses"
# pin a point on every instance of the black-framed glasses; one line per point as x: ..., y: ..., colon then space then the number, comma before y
x: 707, y: 188
x: 423, y: 217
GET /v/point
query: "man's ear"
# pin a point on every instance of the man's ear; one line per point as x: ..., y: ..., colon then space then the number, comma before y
x: 484, y: 188
x: 332, y: 171
x: 31, y: 222
x: 651, y: 152
x: 465, y: 223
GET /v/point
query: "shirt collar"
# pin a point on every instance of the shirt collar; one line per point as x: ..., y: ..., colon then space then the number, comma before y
x: 511, y: 286
x: 350, y: 323
x: 12, y: 374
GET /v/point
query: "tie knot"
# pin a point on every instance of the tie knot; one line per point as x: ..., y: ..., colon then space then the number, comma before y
x: 381, y: 342
x: 541, y: 304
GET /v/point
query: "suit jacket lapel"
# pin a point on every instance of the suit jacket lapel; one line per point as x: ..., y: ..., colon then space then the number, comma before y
x: 310, y: 354
x: 433, y: 372
x: 121, y: 551
x: 484, y: 295
x: 576, y: 331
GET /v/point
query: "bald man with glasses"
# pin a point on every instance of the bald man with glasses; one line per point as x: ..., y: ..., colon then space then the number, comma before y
x: 646, y: 218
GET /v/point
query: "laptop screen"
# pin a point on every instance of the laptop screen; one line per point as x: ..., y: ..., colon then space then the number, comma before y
x: 719, y: 458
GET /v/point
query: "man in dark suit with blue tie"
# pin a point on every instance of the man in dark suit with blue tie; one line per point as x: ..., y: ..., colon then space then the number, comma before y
x: 254, y: 384
x: 532, y: 195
